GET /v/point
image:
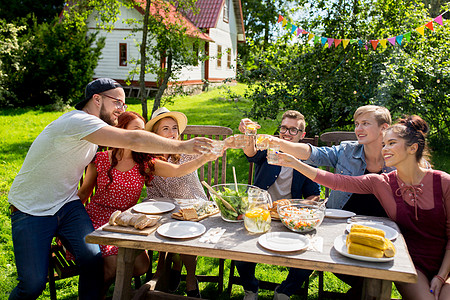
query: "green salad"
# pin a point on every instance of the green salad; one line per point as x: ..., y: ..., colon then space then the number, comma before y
x: 234, y: 205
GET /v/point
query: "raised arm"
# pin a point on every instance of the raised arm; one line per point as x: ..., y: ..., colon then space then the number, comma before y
x: 288, y: 160
x: 166, y: 169
x: 299, y: 150
x: 144, y: 141
x: 89, y: 182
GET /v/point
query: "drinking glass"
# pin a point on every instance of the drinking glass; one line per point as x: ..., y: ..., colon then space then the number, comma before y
x: 250, y: 129
x: 262, y: 141
x: 241, y: 141
x: 272, y: 157
x: 217, y: 147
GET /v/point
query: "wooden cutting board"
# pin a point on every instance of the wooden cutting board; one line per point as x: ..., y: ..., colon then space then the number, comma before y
x: 131, y: 229
x: 179, y: 216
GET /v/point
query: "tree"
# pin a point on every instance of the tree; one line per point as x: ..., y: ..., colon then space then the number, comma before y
x: 43, y: 10
x: 50, y: 66
x: 327, y: 85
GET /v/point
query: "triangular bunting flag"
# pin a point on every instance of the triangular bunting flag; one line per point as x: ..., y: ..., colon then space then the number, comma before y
x: 360, y: 43
x: 294, y: 28
x: 392, y: 41
x: 399, y: 39
x: 365, y: 46
x: 284, y: 23
x: 383, y: 43
x: 298, y: 31
x: 421, y: 29
x: 323, y: 40
x: 430, y: 25
x: 316, y: 39
x: 310, y: 36
x: 374, y: 44
x: 305, y: 32
x: 288, y: 26
x: 438, y: 20
x: 353, y: 41
x: 280, y: 18
x: 407, y: 36
x: 337, y: 42
x: 345, y: 42
x: 330, y: 42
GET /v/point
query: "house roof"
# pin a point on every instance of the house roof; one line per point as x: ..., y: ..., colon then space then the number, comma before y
x: 172, y: 15
x: 209, y: 12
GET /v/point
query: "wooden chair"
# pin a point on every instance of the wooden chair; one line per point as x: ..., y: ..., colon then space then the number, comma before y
x: 213, y: 172
x: 59, y: 268
x: 332, y: 138
x: 267, y: 285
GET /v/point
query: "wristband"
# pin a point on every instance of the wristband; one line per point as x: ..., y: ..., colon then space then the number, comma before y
x: 440, y: 279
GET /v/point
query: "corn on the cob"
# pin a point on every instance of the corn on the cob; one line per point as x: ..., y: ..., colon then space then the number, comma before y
x: 367, y: 239
x: 367, y: 229
x: 390, y: 250
x: 363, y: 250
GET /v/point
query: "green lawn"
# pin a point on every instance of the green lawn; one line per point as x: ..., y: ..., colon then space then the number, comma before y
x: 19, y: 127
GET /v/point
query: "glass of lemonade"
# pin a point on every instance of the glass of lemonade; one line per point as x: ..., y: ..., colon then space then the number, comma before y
x: 272, y: 157
x: 262, y: 141
x: 257, y: 217
x: 217, y: 147
x: 250, y: 129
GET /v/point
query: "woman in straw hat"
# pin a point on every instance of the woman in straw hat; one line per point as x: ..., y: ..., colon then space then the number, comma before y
x: 171, y: 124
x: 119, y: 176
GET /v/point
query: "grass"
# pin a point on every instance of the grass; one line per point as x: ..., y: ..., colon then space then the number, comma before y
x: 19, y: 127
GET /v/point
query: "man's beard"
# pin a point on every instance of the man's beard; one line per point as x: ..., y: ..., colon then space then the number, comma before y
x: 106, y: 117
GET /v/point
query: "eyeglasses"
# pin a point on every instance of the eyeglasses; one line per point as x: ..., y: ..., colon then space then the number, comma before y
x: 119, y: 103
x: 292, y: 130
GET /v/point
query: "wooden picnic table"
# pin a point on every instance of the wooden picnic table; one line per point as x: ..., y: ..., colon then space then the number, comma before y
x: 238, y: 244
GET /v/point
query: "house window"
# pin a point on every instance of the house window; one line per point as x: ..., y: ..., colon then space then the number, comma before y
x: 229, y: 58
x: 219, y: 56
x: 123, y: 54
x: 225, y: 11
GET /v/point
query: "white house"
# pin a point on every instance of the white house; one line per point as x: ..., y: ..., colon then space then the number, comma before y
x: 219, y: 23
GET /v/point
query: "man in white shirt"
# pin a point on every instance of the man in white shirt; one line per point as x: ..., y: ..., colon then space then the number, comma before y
x: 43, y: 196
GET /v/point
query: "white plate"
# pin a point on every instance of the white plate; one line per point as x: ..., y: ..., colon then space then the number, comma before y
x: 181, y: 230
x: 283, y: 241
x: 155, y: 207
x: 341, y: 247
x: 389, y: 232
x: 338, y: 213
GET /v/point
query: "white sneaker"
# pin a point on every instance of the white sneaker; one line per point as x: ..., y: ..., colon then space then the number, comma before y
x: 249, y: 295
x: 280, y: 296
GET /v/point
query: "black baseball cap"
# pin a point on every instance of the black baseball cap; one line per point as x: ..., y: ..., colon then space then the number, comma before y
x: 97, y: 86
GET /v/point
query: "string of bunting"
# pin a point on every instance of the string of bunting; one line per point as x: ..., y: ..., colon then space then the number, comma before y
x: 294, y: 29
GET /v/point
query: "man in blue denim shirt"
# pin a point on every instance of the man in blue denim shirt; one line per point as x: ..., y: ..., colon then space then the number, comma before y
x: 351, y: 158
x: 281, y: 183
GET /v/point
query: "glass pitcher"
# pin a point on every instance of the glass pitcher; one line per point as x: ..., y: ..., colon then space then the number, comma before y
x: 257, y: 216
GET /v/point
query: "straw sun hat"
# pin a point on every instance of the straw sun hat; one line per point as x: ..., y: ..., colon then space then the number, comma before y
x: 162, y: 113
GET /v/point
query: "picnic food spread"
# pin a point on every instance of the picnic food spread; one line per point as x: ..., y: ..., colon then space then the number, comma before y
x: 275, y: 205
x: 196, y: 211
x: 126, y: 218
x: 367, y: 241
x: 301, y: 217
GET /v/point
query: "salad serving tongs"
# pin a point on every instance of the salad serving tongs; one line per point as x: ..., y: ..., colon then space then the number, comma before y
x: 212, y: 191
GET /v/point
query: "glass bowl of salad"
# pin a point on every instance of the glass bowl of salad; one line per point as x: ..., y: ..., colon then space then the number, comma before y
x: 302, y: 215
x: 234, y: 203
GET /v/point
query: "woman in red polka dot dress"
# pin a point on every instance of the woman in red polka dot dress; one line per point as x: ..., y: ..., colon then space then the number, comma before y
x: 119, y: 176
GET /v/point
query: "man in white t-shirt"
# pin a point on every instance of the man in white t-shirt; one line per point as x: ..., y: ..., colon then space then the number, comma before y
x: 43, y: 196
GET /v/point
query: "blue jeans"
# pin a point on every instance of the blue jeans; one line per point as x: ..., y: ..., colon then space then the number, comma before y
x: 289, y: 286
x: 32, y: 237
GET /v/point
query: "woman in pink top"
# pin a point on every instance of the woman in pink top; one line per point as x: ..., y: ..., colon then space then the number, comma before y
x: 416, y: 197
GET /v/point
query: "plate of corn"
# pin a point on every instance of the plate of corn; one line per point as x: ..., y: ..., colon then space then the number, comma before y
x: 364, y: 248
x: 369, y: 227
